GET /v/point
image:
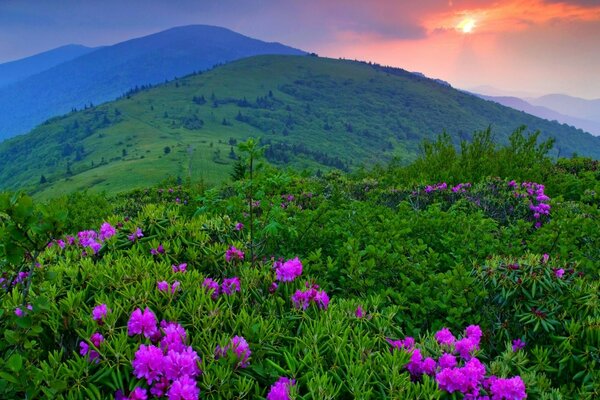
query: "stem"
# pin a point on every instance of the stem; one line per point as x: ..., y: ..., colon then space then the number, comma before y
x: 251, y: 213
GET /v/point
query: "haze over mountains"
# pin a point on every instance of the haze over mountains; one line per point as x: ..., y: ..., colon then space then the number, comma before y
x: 314, y: 113
x: 77, y: 76
x: 580, y: 113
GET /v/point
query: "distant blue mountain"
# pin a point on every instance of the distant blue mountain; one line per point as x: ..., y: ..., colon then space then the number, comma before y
x: 17, y: 70
x: 108, y: 72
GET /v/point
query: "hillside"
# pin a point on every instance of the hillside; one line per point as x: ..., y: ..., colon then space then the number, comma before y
x: 106, y: 73
x: 314, y: 112
x: 17, y: 70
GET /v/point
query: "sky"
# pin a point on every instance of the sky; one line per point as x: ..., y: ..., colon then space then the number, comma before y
x: 525, y: 47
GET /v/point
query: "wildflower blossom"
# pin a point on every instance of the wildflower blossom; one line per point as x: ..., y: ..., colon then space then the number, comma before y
x: 148, y: 363
x: 184, y: 363
x: 183, y: 388
x: 559, y: 273
x: 18, y: 312
x: 135, y: 235
x: 445, y: 337
x: 231, y: 285
x: 359, y: 313
x: 143, y: 323
x: 289, y: 270
x: 159, y: 250
x: 179, y: 268
x: 507, y: 389
x: 106, y: 231
x: 99, y: 312
x: 174, y: 336
x: 213, y: 286
x: 517, y: 345
x: 162, y: 286
x: 239, y: 226
x: 280, y: 390
x: 233, y: 254
x: 239, y: 346
x: 447, y: 361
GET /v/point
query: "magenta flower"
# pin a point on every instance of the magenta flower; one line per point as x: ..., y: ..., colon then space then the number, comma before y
x: 138, y: 394
x: 239, y: 226
x: 559, y: 273
x: 280, y: 390
x: 99, y: 312
x: 61, y: 243
x: 465, y: 347
x: 233, y: 254
x: 289, y: 270
x: 175, y: 286
x: 447, y: 361
x: 159, y: 250
x: 143, y: 323
x: 359, y: 313
x: 545, y: 258
x: 517, y: 345
x: 408, y: 343
x: 162, y: 286
x: 273, y: 287
x: 242, y: 350
x: 18, y: 312
x: 174, y: 337
x: 183, y: 388
x: 509, y: 388
x: 231, y: 285
x: 445, y: 337
x: 135, y: 235
x: 107, y: 231
x: 148, y: 363
x: 213, y: 286
x: 184, y: 363
x: 179, y: 268
x: 97, y: 339
x: 322, y: 299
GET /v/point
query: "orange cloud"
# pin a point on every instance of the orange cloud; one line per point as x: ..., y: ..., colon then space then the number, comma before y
x: 512, y: 15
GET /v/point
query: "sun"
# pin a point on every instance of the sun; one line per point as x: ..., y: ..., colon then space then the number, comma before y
x: 466, y: 25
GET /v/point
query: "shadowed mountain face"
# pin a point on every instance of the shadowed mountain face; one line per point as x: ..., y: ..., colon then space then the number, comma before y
x: 18, y: 70
x: 313, y: 113
x: 108, y: 72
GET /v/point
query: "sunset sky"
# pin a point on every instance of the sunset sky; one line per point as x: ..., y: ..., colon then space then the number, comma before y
x: 526, y: 46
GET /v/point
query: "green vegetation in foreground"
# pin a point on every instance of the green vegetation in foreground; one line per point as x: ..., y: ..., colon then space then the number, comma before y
x: 315, y: 113
x: 415, y: 249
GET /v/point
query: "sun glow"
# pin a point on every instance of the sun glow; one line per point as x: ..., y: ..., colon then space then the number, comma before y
x: 466, y: 25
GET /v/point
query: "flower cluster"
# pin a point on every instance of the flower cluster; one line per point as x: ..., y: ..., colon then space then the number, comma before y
x: 179, y: 268
x: 280, y: 390
x: 84, y: 349
x: 436, y: 187
x: 289, y: 270
x: 228, y: 287
x: 303, y: 298
x: 135, y: 235
x: 164, y: 286
x: 171, y: 368
x: 233, y: 254
x: 99, y: 312
x: 237, y: 346
x: 143, y: 323
x: 468, y: 378
x: 538, y: 201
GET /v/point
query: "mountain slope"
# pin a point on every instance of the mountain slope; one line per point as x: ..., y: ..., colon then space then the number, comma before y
x: 569, y: 105
x: 17, y: 70
x: 590, y: 126
x: 314, y: 113
x: 108, y: 72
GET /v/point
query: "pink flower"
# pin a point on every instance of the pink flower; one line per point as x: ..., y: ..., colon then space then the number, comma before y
x: 545, y: 258
x: 359, y: 313
x: 143, y: 323
x: 233, y: 254
x: 445, y: 337
x: 322, y: 299
x: 447, y: 361
x: 231, y: 285
x: 18, y: 312
x: 138, y: 394
x: 97, y: 339
x: 174, y: 337
x: 559, y: 273
x: 280, y: 390
x: 135, y: 235
x: 465, y: 347
x: 179, y: 268
x: 241, y: 349
x: 162, y: 286
x: 213, y: 286
x: 239, y: 226
x: 183, y: 388
x: 107, y: 231
x: 509, y: 389
x: 99, y: 312
x: 148, y: 363
x: 289, y: 270
x: 517, y: 345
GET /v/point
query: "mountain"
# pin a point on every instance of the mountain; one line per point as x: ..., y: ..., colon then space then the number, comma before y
x: 108, y: 72
x: 592, y: 127
x: 569, y: 105
x: 17, y: 70
x: 313, y: 112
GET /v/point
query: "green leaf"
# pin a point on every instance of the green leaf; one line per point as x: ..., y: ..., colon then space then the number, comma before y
x: 15, y: 362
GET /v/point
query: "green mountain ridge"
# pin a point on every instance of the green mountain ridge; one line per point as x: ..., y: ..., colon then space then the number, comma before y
x: 314, y: 113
